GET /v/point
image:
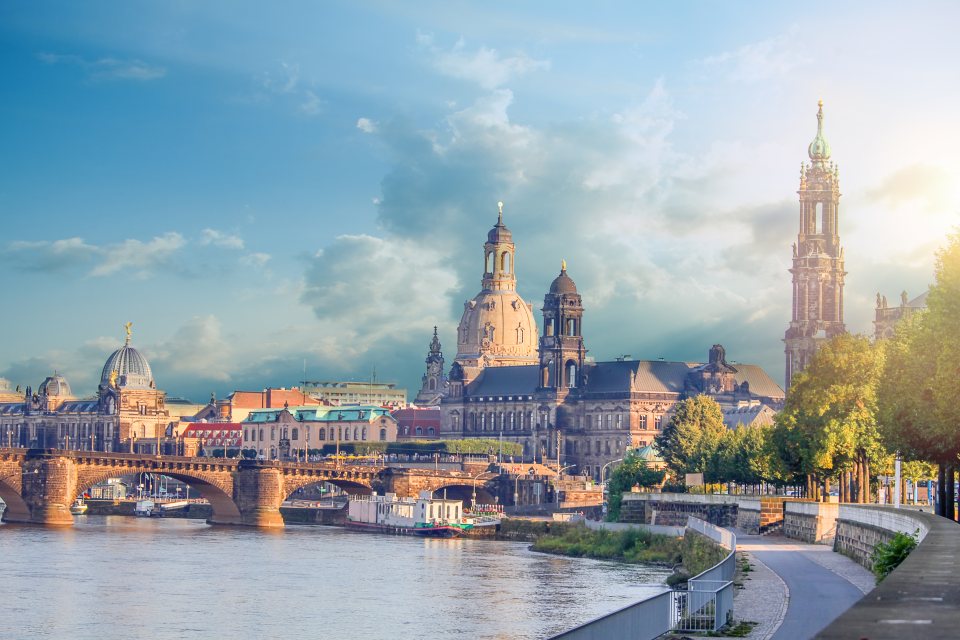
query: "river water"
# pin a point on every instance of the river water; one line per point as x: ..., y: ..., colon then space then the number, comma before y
x: 114, y: 576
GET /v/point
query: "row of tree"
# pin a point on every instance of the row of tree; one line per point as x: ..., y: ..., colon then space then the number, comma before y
x: 855, y: 406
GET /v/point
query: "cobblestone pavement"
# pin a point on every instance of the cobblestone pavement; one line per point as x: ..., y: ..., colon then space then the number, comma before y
x: 763, y: 598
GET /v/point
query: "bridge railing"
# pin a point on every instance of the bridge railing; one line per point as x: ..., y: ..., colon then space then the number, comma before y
x: 705, y: 605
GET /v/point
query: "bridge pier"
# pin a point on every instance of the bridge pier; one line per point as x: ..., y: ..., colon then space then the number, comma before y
x: 49, y: 487
x: 258, y: 493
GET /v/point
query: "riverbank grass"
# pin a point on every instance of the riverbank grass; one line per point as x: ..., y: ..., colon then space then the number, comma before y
x: 633, y: 546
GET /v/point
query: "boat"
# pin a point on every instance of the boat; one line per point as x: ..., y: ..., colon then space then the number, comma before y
x: 3, y: 506
x: 425, y: 516
x: 144, y: 508
x: 79, y: 507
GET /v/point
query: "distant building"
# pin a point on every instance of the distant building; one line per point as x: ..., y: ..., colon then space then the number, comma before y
x: 887, y: 316
x: 417, y: 422
x: 560, y: 405
x: 281, y: 433
x: 818, y: 274
x: 749, y: 415
x: 239, y: 404
x: 196, y: 438
x: 129, y: 413
x: 434, y: 381
x: 381, y: 394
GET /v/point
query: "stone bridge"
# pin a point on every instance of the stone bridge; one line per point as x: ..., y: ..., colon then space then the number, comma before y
x: 39, y: 485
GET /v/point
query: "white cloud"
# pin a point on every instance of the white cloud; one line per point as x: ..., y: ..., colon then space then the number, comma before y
x: 366, y: 125
x: 312, y: 105
x: 485, y: 67
x: 221, y: 239
x: 108, y: 68
x: 258, y: 260
x: 197, y: 349
x: 137, y: 257
x: 764, y: 60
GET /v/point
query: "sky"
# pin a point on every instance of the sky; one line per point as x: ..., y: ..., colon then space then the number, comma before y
x: 266, y: 189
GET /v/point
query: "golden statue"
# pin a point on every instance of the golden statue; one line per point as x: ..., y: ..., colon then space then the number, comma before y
x: 113, y: 378
x: 563, y: 265
x: 127, y: 328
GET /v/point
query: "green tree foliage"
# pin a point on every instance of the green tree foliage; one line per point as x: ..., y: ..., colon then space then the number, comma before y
x: 631, y: 472
x: 745, y: 455
x: 690, y: 442
x: 829, y: 421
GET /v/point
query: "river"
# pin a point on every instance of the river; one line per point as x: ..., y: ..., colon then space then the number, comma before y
x: 115, y: 576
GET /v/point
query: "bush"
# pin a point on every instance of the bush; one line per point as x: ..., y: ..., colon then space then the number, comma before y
x: 633, y: 545
x: 887, y: 556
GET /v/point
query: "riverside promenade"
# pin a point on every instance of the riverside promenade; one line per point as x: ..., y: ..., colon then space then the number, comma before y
x: 795, y: 589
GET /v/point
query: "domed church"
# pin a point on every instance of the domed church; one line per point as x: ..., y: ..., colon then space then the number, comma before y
x: 497, y: 328
x: 540, y: 390
x: 128, y: 413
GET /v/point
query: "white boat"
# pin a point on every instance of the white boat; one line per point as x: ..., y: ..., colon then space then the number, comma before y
x: 3, y: 506
x: 79, y: 507
x: 144, y: 508
x: 425, y: 516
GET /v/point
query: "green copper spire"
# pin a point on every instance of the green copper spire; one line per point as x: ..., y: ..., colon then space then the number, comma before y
x: 819, y: 149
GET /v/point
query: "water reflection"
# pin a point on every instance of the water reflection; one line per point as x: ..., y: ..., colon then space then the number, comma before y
x: 156, y: 578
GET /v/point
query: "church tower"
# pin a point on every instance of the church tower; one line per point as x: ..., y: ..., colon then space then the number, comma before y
x: 817, y: 258
x: 561, y: 346
x: 432, y: 386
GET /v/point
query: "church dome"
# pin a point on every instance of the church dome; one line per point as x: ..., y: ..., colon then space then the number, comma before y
x: 499, y: 234
x: 563, y: 283
x: 497, y: 328
x: 131, y: 367
x: 55, y: 386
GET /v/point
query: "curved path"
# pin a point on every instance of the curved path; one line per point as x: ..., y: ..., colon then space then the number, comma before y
x: 821, y: 584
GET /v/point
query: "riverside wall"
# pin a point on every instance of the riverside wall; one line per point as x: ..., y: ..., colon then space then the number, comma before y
x: 750, y: 514
x: 203, y: 511
x: 813, y: 522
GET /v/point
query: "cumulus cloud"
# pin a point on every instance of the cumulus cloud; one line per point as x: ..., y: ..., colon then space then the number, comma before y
x: 108, y: 68
x: 925, y: 186
x: 46, y: 256
x: 763, y: 60
x: 485, y: 67
x: 256, y: 259
x: 366, y: 125
x: 197, y: 350
x: 368, y: 291
x: 137, y: 257
x: 220, y: 239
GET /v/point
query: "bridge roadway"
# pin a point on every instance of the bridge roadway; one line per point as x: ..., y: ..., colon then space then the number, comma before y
x: 39, y: 485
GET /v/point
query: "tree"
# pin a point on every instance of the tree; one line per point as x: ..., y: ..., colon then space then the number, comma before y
x: 919, y: 408
x: 633, y: 471
x: 690, y: 442
x: 828, y: 423
x: 745, y: 455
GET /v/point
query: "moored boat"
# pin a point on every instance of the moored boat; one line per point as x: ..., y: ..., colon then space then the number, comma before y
x: 425, y: 516
x: 79, y: 507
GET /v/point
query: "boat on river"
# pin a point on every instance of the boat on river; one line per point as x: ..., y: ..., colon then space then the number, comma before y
x: 79, y: 507
x: 424, y: 516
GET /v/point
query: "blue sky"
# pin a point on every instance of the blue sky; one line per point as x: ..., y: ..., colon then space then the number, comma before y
x: 257, y: 185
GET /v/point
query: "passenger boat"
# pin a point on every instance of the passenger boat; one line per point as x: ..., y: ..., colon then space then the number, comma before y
x: 79, y: 507
x: 144, y: 508
x: 425, y: 516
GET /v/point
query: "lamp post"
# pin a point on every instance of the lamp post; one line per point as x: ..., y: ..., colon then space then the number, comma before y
x: 603, y: 488
x: 473, y: 503
x: 556, y: 491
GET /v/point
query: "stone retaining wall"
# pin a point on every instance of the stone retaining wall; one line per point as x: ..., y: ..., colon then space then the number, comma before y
x: 860, y: 529
x: 813, y: 522
x: 749, y: 514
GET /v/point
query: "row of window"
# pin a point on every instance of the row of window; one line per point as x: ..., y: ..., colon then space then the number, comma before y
x: 343, y: 433
x: 518, y: 420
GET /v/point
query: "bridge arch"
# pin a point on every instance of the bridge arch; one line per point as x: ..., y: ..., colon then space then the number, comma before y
x: 459, y: 490
x: 10, y: 483
x: 217, y: 491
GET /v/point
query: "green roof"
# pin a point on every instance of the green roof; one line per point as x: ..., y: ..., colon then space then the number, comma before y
x: 316, y: 413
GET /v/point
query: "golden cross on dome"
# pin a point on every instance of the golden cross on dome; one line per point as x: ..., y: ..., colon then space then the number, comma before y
x: 126, y: 327
x: 500, y: 211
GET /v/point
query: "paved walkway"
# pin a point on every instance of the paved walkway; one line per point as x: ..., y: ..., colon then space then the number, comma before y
x: 816, y: 585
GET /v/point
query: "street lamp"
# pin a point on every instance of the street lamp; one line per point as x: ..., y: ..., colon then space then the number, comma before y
x: 603, y: 488
x: 473, y: 504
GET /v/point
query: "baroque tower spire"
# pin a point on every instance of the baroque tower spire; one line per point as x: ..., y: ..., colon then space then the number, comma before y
x: 498, y: 254
x: 431, y: 387
x: 562, y: 352
x: 818, y: 274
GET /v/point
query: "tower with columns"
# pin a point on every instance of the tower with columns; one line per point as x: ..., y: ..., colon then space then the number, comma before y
x: 817, y: 258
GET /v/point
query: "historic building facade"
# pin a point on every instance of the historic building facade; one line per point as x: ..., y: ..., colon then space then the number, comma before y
x: 432, y: 384
x: 566, y: 409
x: 886, y: 317
x: 128, y: 414
x: 817, y: 258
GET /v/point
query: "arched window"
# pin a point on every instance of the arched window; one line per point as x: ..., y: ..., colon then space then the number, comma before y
x: 363, y: 433
x: 432, y: 384
x: 322, y: 434
x: 431, y: 431
x: 273, y: 433
x: 489, y: 262
x: 383, y: 435
x: 261, y: 436
x: 505, y: 262
x: 818, y: 217
x: 296, y: 433
x: 356, y: 433
x: 419, y: 431
x: 571, y: 374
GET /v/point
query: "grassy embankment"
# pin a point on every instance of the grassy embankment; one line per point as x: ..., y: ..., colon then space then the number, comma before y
x: 632, y: 546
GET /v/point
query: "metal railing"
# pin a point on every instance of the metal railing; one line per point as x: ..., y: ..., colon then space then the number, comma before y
x: 705, y: 605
